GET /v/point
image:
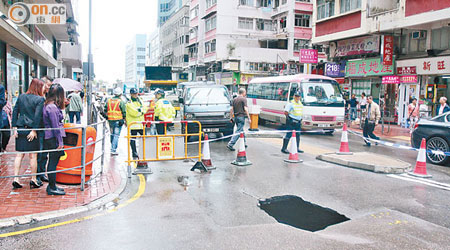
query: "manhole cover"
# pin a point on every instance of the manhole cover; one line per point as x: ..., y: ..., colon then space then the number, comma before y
x: 294, y: 211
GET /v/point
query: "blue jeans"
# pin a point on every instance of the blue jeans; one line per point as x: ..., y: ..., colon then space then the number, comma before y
x: 72, y: 115
x: 115, y: 127
x: 240, y: 122
x: 353, y: 113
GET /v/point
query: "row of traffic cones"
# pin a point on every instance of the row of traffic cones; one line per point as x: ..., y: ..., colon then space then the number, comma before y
x: 420, y: 170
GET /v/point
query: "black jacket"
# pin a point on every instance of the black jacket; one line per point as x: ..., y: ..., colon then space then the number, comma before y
x: 28, y: 111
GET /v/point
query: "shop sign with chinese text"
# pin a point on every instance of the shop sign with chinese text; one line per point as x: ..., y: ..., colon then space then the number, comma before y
x: 309, y: 56
x: 406, y: 70
x: 335, y: 69
x: 427, y: 66
x: 388, y: 50
x: 408, y: 79
x: 357, y: 46
x: 368, y: 67
x: 390, y: 80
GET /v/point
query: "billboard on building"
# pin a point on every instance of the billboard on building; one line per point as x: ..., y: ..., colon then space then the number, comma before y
x: 158, y: 73
x: 356, y: 46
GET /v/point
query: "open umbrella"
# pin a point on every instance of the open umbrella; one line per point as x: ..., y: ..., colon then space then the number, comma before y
x: 69, y: 84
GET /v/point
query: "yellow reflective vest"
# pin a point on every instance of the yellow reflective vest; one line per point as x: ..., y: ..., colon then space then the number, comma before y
x: 133, y: 114
x: 164, y: 110
x: 297, y: 109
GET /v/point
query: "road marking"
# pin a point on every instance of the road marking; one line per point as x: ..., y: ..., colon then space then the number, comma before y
x: 126, y: 203
x: 308, y: 148
x: 430, y: 183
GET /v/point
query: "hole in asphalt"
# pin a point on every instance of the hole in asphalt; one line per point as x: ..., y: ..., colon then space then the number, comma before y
x: 294, y: 211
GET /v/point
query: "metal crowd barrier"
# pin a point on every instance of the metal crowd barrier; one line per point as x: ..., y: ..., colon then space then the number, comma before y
x: 83, y: 147
x: 169, y: 145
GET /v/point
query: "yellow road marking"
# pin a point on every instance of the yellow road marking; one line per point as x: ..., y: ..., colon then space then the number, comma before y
x: 129, y: 201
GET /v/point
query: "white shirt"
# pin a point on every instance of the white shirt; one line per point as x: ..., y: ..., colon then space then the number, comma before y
x: 363, y: 101
x: 441, y: 109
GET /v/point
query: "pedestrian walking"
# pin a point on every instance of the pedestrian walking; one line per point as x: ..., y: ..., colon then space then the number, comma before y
x: 135, y: 111
x: 116, y: 114
x: 27, y: 114
x: 294, y: 113
x: 53, y: 139
x: 238, y: 113
x: 42, y: 158
x: 413, y: 114
x: 164, y: 111
x: 371, y: 117
x: 443, y: 108
x: 2, y: 104
x: 6, y: 122
x: 75, y: 107
x: 353, y: 106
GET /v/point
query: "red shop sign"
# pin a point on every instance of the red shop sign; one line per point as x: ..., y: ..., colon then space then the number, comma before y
x: 408, y: 79
x: 406, y: 70
x: 390, y: 80
x: 388, y: 50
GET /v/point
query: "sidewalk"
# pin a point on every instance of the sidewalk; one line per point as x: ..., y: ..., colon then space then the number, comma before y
x: 397, y: 134
x: 26, y: 201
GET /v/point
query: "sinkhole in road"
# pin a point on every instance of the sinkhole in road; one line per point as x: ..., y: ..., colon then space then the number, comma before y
x: 294, y: 211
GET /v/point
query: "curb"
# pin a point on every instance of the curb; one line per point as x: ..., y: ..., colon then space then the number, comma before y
x: 333, y: 158
x: 32, y: 218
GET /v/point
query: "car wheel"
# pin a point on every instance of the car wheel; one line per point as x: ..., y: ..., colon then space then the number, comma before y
x: 437, y: 144
x: 261, y: 122
x: 329, y: 132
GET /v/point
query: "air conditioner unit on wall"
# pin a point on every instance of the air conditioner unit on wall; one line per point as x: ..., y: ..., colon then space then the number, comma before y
x: 422, y: 34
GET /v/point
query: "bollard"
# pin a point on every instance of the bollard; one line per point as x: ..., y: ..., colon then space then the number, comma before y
x: 83, y: 157
x: 103, y: 146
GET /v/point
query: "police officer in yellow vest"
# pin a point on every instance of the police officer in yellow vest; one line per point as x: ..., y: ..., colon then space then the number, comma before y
x: 164, y: 111
x: 115, y: 113
x: 293, y: 112
x: 135, y: 113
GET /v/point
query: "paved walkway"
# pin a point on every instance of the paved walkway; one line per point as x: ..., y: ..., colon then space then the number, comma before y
x: 25, y: 201
x: 395, y: 134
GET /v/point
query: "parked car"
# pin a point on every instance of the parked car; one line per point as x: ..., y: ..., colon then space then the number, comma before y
x: 208, y: 104
x: 437, y: 133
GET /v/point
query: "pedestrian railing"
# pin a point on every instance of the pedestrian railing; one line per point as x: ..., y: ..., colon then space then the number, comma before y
x: 165, y: 146
x: 84, y: 146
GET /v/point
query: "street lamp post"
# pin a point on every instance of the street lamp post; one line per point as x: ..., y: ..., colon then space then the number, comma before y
x: 89, y: 87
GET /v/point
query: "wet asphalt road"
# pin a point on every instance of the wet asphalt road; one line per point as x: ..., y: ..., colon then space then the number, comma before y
x: 219, y: 210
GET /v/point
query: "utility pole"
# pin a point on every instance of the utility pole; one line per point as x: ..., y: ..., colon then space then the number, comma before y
x: 89, y: 87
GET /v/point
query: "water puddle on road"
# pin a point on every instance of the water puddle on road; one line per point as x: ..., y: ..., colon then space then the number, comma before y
x: 294, y: 211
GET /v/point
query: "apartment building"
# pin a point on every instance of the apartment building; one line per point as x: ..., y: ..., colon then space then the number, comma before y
x: 135, y: 61
x: 392, y: 50
x: 166, y: 8
x: 232, y: 41
x: 30, y: 51
x: 174, y: 37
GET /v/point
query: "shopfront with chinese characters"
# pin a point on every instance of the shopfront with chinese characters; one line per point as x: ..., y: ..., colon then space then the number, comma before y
x: 366, y: 77
x: 433, y: 77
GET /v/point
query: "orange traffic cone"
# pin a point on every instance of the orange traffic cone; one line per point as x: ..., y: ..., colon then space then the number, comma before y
x: 344, y: 149
x: 206, y: 159
x: 241, y: 159
x: 293, y: 151
x: 421, y: 166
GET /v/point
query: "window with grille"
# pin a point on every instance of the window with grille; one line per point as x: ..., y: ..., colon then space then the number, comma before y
x: 263, y: 24
x: 210, y: 3
x: 348, y: 5
x: 246, y: 2
x: 210, y: 23
x: 302, y: 20
x: 245, y: 23
x: 300, y: 44
x: 325, y: 8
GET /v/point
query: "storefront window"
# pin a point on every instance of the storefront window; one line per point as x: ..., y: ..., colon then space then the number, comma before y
x: 15, y: 72
x: 2, y: 63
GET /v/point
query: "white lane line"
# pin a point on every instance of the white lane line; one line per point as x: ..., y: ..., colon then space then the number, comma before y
x: 421, y: 181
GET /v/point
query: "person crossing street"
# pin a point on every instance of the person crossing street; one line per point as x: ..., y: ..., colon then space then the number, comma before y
x: 116, y: 114
x: 294, y: 113
x: 371, y: 117
x: 238, y: 112
x: 164, y: 111
x: 135, y: 111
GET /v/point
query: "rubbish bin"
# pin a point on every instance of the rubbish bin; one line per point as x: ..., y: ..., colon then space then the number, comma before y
x: 72, y: 158
x: 254, y: 111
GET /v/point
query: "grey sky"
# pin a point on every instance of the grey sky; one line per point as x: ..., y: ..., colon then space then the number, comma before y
x: 114, y: 22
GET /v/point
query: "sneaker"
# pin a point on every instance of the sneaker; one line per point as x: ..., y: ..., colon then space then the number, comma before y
x: 230, y: 148
x: 300, y: 151
x: 284, y: 151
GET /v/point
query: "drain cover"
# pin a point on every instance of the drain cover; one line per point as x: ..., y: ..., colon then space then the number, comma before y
x: 294, y: 211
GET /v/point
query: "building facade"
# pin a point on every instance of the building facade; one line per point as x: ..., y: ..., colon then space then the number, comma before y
x: 31, y: 51
x: 232, y: 43
x: 392, y: 50
x: 166, y: 8
x: 174, y: 38
x: 135, y: 61
x: 152, y: 54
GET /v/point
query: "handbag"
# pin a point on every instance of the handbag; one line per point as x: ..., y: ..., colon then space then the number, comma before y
x: 410, y: 114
